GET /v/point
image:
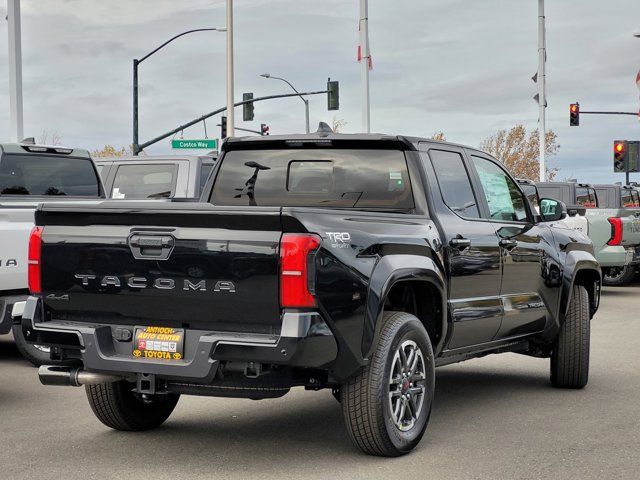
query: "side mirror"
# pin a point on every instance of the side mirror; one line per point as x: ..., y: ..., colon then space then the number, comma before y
x: 552, y: 210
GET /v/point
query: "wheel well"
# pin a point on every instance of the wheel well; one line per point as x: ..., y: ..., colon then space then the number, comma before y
x: 590, y: 280
x: 421, y: 299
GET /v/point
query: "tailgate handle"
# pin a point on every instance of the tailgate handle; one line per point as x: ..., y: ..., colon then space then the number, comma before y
x: 151, y: 247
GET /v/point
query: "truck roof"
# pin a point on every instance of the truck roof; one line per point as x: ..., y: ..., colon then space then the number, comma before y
x: 27, y: 148
x: 153, y: 158
x: 356, y: 139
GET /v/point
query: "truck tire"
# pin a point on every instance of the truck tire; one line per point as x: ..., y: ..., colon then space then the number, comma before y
x: 36, y: 354
x: 618, y: 276
x: 570, y: 356
x: 119, y: 408
x: 380, y: 419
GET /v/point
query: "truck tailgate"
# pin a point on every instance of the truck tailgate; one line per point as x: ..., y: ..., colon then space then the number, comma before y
x: 16, y: 223
x: 174, y: 265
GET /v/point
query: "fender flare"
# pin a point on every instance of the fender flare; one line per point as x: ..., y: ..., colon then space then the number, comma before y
x: 390, y: 271
x: 577, y: 261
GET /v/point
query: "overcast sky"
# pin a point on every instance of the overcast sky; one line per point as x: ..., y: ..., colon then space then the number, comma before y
x: 463, y: 67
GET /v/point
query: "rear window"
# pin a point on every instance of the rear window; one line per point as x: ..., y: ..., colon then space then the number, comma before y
x: 44, y: 175
x: 331, y: 177
x: 144, y: 181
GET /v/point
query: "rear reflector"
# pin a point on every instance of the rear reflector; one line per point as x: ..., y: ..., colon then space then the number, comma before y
x: 294, y: 272
x: 616, y: 232
x: 33, y: 269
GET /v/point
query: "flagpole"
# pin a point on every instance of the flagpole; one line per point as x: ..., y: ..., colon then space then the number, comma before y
x: 542, y: 98
x: 364, y: 64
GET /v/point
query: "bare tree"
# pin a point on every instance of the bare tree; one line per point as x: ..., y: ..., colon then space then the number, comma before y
x: 110, y: 151
x: 439, y: 135
x: 338, y: 124
x: 49, y: 137
x: 518, y: 150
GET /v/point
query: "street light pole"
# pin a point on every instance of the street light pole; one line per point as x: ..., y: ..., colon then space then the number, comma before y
x: 542, y: 98
x: 15, y: 72
x: 136, y: 63
x: 364, y: 67
x: 230, y: 94
x: 306, y: 102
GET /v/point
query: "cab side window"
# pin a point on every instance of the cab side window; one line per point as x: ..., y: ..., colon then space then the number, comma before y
x: 506, y: 201
x: 454, y: 183
x: 586, y: 197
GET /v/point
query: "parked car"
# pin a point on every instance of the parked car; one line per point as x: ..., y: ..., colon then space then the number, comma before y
x: 613, y: 231
x: 30, y: 174
x: 624, y: 201
x: 154, y: 176
x: 352, y: 262
x: 577, y: 198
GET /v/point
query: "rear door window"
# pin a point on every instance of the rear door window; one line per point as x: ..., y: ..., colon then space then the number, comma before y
x: 627, y: 198
x: 454, y: 183
x: 346, y: 178
x: 44, y: 175
x: 586, y: 197
x: 144, y: 181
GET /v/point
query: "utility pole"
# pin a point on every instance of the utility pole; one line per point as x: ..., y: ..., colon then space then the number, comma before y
x: 16, y: 129
x: 364, y: 64
x: 542, y: 97
x: 230, y: 95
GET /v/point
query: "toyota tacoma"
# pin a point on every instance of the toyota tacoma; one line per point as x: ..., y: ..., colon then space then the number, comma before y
x: 356, y: 263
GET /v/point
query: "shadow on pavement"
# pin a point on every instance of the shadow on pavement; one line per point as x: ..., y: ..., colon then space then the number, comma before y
x: 8, y: 349
x: 278, y: 433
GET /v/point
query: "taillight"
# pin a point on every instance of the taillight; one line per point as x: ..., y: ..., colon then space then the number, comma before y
x: 33, y: 269
x: 616, y: 232
x: 294, y: 269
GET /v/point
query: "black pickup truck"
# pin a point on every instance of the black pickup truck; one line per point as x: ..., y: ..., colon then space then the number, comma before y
x: 356, y: 263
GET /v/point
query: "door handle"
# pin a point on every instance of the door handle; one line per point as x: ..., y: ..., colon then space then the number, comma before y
x: 460, y: 243
x: 151, y: 247
x: 508, y: 244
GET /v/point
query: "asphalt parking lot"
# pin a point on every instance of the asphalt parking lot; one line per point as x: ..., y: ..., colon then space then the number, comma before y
x: 493, y: 418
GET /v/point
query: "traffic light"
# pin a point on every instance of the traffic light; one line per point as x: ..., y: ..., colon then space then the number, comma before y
x: 264, y: 129
x: 247, y: 108
x: 574, y: 114
x: 620, y: 155
x: 223, y: 127
x: 333, y: 95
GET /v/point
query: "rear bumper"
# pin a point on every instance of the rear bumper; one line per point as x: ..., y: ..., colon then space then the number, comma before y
x: 613, y: 256
x: 6, y: 307
x: 305, y: 341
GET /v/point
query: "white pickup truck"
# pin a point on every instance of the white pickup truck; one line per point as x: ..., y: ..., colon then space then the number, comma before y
x: 148, y: 177
x: 29, y: 175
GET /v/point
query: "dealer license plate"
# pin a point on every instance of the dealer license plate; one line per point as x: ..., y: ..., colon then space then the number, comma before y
x: 162, y: 343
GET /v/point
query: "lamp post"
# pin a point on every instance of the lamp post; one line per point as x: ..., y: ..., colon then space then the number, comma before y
x: 137, y: 62
x: 306, y: 102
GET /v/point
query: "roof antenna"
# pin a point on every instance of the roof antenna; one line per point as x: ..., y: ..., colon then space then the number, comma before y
x: 29, y: 140
x: 324, y: 129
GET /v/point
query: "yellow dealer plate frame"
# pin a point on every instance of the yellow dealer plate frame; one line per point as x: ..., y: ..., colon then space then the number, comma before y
x: 158, y: 343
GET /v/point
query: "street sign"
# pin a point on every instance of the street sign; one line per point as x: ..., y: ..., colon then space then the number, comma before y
x: 207, y: 143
